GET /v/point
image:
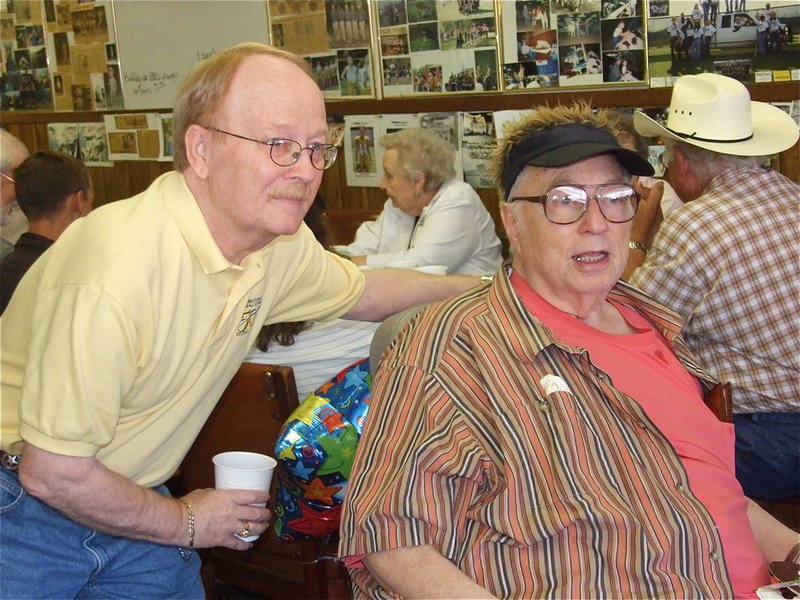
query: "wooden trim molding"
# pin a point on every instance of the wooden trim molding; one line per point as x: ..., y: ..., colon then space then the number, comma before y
x: 618, y: 98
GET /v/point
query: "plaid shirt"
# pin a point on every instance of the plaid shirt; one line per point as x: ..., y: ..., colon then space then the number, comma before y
x: 728, y: 263
x: 532, y: 492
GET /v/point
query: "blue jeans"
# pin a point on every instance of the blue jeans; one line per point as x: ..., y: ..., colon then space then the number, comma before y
x: 44, y: 554
x: 768, y: 454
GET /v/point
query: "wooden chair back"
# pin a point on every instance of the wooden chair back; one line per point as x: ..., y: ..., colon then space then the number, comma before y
x: 249, y: 416
x: 343, y: 224
x: 387, y: 331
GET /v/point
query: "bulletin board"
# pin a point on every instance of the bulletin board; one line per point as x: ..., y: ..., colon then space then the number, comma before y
x: 161, y: 40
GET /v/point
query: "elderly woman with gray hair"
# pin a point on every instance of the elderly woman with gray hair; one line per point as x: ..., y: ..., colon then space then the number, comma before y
x: 431, y: 217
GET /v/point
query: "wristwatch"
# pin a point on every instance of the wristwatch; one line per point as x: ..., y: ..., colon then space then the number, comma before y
x: 633, y: 245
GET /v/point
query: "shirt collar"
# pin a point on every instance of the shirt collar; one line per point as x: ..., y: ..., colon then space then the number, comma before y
x: 506, y: 306
x: 186, y: 213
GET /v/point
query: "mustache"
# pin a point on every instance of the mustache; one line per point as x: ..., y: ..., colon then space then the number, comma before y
x: 297, y: 190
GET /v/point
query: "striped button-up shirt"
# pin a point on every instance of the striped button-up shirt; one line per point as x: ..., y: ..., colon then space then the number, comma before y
x: 727, y: 262
x: 534, y: 486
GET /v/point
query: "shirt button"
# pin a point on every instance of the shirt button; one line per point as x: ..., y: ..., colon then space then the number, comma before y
x: 544, y: 406
x: 714, y: 555
x: 680, y: 487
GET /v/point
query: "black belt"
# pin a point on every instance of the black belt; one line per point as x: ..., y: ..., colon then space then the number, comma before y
x: 10, y: 462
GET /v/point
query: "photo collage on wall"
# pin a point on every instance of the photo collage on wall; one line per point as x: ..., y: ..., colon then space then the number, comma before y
x: 25, y: 75
x: 477, y: 133
x: 139, y: 136
x: 86, y: 67
x: 437, y: 46
x: 752, y: 41
x: 573, y: 43
x: 333, y: 36
x: 363, y: 153
x: 85, y: 141
x: 129, y: 136
x: 74, y: 40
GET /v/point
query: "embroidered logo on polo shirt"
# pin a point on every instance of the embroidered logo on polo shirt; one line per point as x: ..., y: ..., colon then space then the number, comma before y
x: 248, y: 316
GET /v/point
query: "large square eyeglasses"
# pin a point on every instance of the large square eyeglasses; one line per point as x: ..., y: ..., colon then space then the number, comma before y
x: 565, y: 204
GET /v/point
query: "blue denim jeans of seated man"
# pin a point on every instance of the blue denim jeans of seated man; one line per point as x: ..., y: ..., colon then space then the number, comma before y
x: 44, y: 554
x: 768, y: 454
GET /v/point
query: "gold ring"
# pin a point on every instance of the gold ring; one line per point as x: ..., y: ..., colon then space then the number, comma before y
x: 245, y: 530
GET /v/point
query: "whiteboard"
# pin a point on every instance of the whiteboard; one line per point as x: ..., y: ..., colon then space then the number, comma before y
x: 159, y: 41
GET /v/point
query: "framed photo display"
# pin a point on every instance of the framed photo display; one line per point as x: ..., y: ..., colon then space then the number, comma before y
x: 566, y: 43
x: 334, y: 36
x: 25, y: 79
x: 752, y: 41
x: 437, y: 46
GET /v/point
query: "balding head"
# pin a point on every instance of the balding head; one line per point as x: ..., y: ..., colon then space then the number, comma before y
x: 207, y: 85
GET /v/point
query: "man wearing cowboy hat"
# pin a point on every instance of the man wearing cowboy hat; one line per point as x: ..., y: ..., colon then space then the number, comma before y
x: 727, y: 262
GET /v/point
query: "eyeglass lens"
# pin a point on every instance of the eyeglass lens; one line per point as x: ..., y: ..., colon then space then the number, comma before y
x: 287, y: 152
x: 567, y: 203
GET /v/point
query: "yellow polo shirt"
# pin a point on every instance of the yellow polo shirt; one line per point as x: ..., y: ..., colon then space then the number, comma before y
x: 121, y: 338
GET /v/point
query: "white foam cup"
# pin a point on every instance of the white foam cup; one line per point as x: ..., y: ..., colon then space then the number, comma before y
x: 433, y: 269
x: 243, y: 471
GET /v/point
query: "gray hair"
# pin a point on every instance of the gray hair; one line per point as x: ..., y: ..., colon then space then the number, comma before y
x: 706, y: 164
x: 422, y: 152
x: 12, y: 152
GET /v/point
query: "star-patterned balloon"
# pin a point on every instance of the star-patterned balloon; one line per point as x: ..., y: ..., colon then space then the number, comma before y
x: 315, y: 454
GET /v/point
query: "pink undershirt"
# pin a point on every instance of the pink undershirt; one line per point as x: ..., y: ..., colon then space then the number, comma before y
x: 643, y: 366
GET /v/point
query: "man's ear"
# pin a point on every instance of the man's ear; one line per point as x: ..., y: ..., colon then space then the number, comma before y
x: 679, y: 163
x: 196, y: 139
x: 508, y: 213
x: 73, y: 202
x: 680, y: 167
x: 681, y: 170
x: 683, y: 164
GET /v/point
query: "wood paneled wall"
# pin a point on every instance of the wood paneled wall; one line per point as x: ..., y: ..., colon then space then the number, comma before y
x: 127, y: 178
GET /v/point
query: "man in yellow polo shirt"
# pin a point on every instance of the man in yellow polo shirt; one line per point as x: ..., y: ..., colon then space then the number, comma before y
x: 121, y: 338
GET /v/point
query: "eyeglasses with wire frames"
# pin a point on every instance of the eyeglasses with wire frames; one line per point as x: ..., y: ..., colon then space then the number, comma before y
x: 565, y: 204
x: 11, y: 179
x: 285, y: 152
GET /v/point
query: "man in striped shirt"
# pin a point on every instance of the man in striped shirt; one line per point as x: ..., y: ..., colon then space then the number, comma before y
x: 546, y: 436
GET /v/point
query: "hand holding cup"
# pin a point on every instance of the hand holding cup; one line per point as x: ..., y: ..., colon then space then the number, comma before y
x: 244, y: 471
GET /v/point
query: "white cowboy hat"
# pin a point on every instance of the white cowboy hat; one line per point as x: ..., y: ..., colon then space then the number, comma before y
x: 715, y: 112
